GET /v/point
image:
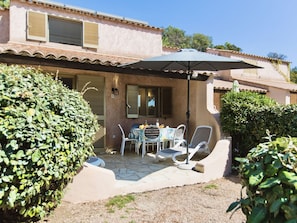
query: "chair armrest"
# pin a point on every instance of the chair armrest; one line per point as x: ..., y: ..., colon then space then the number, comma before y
x: 179, y: 143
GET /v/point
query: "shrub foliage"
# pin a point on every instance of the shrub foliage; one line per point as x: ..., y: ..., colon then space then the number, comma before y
x: 46, y: 133
x: 246, y: 116
x: 269, y: 175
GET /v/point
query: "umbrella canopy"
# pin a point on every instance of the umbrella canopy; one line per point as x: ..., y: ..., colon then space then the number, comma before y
x: 188, y: 60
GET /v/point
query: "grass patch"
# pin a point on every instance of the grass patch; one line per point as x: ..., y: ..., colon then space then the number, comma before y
x: 119, y: 201
x: 211, y: 186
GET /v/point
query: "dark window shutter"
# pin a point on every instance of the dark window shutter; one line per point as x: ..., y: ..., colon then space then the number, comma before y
x: 166, y: 102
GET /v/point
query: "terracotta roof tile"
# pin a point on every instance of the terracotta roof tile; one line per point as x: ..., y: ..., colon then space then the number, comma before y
x: 232, y: 52
x: 269, y: 83
x: 227, y: 85
x: 63, y: 54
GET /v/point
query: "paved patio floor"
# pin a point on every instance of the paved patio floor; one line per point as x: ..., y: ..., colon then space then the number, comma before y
x: 133, y: 174
x: 142, y: 174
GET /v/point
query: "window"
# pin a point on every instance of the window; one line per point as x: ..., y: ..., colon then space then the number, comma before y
x: 65, y: 31
x: 43, y: 27
x: 148, y: 101
x: 68, y: 82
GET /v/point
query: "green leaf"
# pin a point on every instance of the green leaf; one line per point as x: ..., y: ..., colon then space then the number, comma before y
x: 1, y: 193
x: 12, y: 197
x: 31, y: 112
x: 270, y: 182
x: 275, y: 206
x: 20, y: 154
x: 290, y: 211
x: 36, y: 156
x: 233, y: 205
x: 291, y: 221
x: 257, y: 216
x: 256, y: 177
x: 7, y: 179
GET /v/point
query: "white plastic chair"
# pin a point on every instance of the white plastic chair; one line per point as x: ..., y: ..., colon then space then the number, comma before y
x: 124, y: 140
x: 179, y: 134
x: 199, y: 143
x: 151, y: 135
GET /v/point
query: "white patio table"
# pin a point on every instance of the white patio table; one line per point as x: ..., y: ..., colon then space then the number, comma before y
x: 166, y: 134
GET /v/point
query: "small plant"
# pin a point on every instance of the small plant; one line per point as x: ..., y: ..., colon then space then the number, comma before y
x: 119, y: 202
x: 211, y: 186
x: 269, y: 175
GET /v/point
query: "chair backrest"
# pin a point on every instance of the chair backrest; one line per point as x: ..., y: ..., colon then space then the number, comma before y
x: 202, y: 133
x: 151, y: 133
x: 122, y: 131
x: 179, y: 132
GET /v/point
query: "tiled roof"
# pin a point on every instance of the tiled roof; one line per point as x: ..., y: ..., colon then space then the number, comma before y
x: 233, y: 52
x: 63, y: 54
x: 269, y: 83
x: 85, y: 58
x: 227, y: 85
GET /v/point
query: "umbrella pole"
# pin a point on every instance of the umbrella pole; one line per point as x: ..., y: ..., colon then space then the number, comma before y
x: 188, y: 115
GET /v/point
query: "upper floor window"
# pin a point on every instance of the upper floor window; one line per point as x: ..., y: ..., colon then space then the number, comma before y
x: 65, y: 31
x: 43, y: 27
x: 148, y: 101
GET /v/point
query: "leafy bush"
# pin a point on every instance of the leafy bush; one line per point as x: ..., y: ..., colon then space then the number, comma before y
x: 269, y: 175
x: 46, y: 133
x: 244, y: 117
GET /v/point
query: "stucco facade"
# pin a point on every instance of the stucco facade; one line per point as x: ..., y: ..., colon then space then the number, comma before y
x: 114, y: 33
x: 273, y: 79
x: 121, y: 41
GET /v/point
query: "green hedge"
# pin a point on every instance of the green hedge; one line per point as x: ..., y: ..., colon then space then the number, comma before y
x: 247, y: 115
x: 269, y: 180
x: 46, y: 133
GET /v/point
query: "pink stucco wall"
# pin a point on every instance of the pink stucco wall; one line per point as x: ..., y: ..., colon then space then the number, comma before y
x: 114, y: 36
x: 4, y: 26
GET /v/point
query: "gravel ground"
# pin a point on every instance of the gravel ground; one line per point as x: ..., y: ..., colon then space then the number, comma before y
x: 200, y: 203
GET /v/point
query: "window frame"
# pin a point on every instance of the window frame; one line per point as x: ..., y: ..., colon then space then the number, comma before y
x: 38, y: 29
x: 68, y: 37
x: 133, y: 101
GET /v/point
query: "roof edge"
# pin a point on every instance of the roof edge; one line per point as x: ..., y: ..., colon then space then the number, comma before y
x: 247, y: 54
x: 90, y: 12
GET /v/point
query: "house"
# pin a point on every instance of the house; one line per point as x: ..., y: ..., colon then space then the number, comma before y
x: 83, y: 48
x: 273, y: 80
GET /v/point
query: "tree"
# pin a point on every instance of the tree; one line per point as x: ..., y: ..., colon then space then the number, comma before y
x: 294, y: 75
x: 174, y: 37
x: 228, y: 46
x: 201, y: 42
x: 275, y: 55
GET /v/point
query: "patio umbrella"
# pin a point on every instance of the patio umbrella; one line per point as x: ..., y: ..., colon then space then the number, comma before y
x: 185, y: 61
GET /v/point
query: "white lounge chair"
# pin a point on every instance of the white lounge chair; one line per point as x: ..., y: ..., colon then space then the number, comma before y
x: 199, y: 143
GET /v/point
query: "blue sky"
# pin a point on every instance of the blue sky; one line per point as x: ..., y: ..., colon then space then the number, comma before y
x: 256, y: 26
